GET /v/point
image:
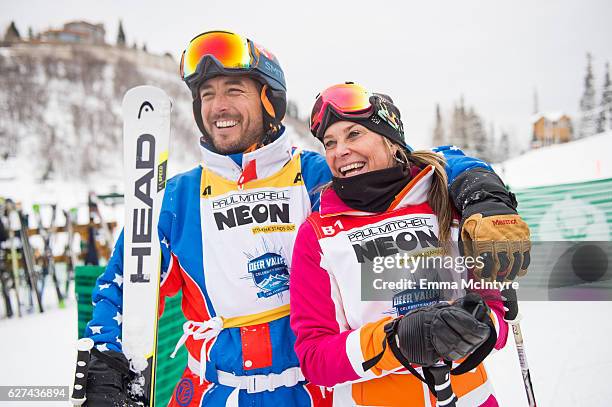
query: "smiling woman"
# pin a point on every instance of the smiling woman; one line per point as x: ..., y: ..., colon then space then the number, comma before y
x: 363, y: 137
x: 380, y: 184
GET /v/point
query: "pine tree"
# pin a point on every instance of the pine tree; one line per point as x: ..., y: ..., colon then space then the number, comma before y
x: 292, y: 109
x: 121, y: 35
x: 144, y: 47
x: 493, y: 145
x: 458, y: 136
x: 588, y: 119
x: 438, y: 134
x: 12, y: 33
x: 504, y: 146
x: 604, y: 121
x: 478, y: 144
x: 30, y: 34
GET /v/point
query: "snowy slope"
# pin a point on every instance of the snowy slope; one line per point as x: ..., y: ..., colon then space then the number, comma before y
x: 580, y: 160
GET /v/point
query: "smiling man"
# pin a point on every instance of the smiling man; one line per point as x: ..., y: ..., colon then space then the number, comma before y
x: 229, y: 227
x: 231, y: 113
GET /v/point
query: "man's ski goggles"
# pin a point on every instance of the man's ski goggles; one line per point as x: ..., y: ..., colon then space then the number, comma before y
x: 230, y: 54
x: 231, y: 50
x: 348, y: 100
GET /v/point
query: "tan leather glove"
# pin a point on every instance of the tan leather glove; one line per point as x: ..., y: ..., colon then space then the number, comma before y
x: 502, y: 242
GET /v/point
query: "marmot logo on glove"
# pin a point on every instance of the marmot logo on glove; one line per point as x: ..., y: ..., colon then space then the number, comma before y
x: 501, y: 222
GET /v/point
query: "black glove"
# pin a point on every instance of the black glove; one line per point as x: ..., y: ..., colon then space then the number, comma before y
x: 109, y: 373
x: 442, y: 331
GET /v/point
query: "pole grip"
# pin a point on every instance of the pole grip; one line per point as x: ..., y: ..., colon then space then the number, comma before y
x: 442, y: 384
x: 84, y: 346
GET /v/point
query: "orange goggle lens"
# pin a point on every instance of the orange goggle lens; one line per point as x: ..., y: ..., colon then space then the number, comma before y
x: 230, y: 49
x: 346, y: 99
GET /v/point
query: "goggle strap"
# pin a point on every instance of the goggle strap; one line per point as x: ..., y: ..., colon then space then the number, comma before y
x: 266, y: 102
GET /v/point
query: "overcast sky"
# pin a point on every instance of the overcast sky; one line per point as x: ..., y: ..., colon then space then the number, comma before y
x: 421, y: 53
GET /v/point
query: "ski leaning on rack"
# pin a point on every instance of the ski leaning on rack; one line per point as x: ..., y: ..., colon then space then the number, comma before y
x: 71, y: 259
x: 48, y: 261
x: 28, y: 258
x: 146, y: 136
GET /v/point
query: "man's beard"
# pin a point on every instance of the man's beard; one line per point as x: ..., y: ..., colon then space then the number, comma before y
x: 242, y: 145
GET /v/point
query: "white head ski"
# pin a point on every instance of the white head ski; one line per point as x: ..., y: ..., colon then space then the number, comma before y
x: 146, y: 134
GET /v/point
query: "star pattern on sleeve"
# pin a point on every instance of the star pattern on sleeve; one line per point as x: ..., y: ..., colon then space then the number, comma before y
x: 118, y: 318
x: 118, y: 280
x: 102, y: 347
x: 96, y: 329
x: 104, y: 286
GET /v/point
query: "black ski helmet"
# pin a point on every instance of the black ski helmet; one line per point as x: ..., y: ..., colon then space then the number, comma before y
x: 259, y: 64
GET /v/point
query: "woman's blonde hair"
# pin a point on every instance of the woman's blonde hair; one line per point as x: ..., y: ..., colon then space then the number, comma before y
x: 437, y: 197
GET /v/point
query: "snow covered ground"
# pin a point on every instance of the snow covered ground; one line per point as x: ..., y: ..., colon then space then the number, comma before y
x: 567, y: 343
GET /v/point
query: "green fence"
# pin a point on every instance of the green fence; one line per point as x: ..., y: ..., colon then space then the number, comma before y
x: 578, y: 211
x: 561, y: 218
x: 170, y: 330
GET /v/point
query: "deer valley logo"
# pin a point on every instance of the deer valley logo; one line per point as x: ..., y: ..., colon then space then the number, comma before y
x: 267, y: 268
x: 408, y: 300
x: 270, y: 274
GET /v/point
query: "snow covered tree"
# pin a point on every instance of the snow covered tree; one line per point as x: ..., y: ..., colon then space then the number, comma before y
x: 12, y: 33
x: 478, y: 142
x: 438, y: 133
x: 292, y: 110
x: 588, y: 113
x: 503, y: 148
x: 458, y: 133
x: 121, y: 35
x: 604, y: 121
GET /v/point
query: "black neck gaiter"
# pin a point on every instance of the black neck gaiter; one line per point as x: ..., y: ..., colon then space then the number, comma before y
x: 373, y: 191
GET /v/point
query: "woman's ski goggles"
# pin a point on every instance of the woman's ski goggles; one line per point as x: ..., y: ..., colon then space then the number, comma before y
x: 348, y: 100
x: 229, y: 49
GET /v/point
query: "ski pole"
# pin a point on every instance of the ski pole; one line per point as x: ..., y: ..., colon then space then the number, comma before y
x: 79, y: 395
x: 513, y: 317
x: 10, y: 209
x: 29, y: 258
x: 445, y: 396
